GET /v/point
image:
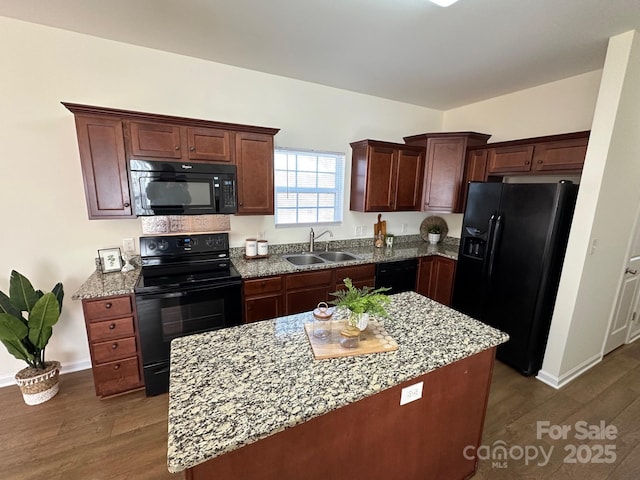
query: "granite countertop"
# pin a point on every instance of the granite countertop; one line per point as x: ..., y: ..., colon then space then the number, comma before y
x: 108, y: 284
x: 276, y: 265
x: 235, y: 386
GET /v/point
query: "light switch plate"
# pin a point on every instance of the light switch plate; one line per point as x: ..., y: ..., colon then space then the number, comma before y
x: 128, y: 245
x: 411, y: 394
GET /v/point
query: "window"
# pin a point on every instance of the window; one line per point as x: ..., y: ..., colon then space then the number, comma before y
x: 308, y: 187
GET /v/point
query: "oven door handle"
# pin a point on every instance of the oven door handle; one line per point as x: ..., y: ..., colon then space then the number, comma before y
x: 184, y: 291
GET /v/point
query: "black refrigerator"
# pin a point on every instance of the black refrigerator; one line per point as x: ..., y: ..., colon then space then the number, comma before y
x: 512, y: 246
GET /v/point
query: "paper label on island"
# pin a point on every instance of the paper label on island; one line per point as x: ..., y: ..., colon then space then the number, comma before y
x: 374, y: 339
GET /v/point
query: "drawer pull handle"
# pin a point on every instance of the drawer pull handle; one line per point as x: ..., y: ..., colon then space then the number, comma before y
x: 114, y: 346
x: 108, y: 305
x: 116, y: 366
x: 632, y: 271
x: 112, y: 326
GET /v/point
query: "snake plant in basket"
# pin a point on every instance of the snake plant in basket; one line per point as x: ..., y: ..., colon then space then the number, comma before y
x: 26, y: 336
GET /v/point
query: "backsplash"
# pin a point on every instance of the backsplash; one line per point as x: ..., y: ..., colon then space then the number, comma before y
x: 160, y: 224
x: 280, y: 248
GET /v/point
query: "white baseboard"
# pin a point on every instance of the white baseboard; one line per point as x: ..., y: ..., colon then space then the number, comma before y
x: 67, y: 368
x: 559, y: 382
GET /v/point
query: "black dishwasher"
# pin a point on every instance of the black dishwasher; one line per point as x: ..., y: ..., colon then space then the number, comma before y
x: 399, y: 275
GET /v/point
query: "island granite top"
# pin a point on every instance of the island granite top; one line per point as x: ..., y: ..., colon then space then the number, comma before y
x: 235, y: 386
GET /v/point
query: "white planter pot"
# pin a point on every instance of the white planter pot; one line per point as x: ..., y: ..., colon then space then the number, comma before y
x: 434, y: 238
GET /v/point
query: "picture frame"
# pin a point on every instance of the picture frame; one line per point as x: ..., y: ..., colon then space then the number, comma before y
x: 110, y: 260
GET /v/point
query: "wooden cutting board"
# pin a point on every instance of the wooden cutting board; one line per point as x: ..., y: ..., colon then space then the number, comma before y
x: 373, y: 339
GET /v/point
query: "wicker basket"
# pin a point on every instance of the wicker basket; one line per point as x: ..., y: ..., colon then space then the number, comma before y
x: 38, y: 386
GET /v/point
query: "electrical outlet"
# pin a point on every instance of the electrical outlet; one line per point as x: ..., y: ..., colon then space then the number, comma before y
x: 364, y: 230
x: 594, y: 246
x: 404, y: 228
x: 411, y: 394
x: 128, y: 245
x: 358, y: 230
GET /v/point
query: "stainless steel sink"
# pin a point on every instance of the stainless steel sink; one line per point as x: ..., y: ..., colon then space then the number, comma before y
x: 302, y: 259
x: 337, y: 256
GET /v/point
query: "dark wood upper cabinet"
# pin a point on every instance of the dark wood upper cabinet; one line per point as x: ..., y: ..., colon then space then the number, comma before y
x: 155, y: 140
x: 444, y: 167
x: 108, y: 138
x: 254, y: 159
x: 553, y: 154
x: 104, y: 166
x: 385, y: 176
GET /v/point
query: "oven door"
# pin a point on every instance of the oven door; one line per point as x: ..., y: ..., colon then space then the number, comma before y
x: 168, y: 315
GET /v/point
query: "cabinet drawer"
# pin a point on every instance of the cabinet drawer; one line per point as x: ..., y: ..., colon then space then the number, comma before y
x: 301, y: 280
x: 114, y: 350
x: 106, y: 308
x: 116, y: 377
x: 262, y: 285
x: 110, y: 329
x: 356, y: 273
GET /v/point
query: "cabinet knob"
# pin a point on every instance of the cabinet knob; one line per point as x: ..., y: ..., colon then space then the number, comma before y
x: 193, y: 149
x: 127, y: 204
x: 526, y: 162
x: 177, y: 147
x: 116, y: 366
x: 539, y: 162
x: 108, y: 305
x: 114, y: 346
x: 112, y: 326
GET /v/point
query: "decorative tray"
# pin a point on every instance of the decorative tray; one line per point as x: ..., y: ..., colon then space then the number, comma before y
x: 433, y: 221
x: 373, y: 339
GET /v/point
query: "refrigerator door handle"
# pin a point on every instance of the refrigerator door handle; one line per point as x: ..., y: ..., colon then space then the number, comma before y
x: 486, y: 260
x: 494, y: 245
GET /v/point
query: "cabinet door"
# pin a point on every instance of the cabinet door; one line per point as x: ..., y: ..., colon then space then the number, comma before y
x: 475, y: 171
x: 156, y: 140
x: 104, y: 167
x: 263, y: 299
x: 510, y: 159
x: 408, y: 188
x: 567, y: 155
x: 209, y: 144
x: 305, y: 290
x: 435, y: 278
x: 443, y: 175
x: 381, y: 177
x: 254, y: 159
x: 360, y: 275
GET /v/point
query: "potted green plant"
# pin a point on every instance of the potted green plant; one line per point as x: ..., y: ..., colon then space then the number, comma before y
x: 26, y: 336
x: 360, y: 303
x: 434, y: 234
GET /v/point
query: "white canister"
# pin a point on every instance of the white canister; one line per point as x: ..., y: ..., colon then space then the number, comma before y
x: 250, y: 247
x: 263, y: 247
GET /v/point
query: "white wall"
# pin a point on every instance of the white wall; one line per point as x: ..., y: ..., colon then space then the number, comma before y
x: 45, y: 231
x: 606, y: 213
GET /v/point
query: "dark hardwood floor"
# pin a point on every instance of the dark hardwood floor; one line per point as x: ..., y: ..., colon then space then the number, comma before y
x: 78, y: 436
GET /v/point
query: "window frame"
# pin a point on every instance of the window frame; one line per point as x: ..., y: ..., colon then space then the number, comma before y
x: 339, y: 190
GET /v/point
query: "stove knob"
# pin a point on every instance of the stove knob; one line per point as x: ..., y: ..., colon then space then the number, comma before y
x: 210, y: 241
x: 163, y: 245
x: 151, y: 245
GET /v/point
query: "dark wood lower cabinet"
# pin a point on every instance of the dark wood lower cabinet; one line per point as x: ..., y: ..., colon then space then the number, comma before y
x: 377, y: 438
x: 435, y: 278
x: 303, y: 291
x: 263, y: 299
x: 113, y: 343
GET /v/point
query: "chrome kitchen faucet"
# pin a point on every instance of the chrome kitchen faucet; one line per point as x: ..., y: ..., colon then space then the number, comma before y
x: 312, y: 239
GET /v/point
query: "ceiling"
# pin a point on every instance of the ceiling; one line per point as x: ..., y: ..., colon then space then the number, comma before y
x: 407, y: 50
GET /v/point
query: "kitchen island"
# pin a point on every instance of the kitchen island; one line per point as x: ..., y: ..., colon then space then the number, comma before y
x: 252, y: 402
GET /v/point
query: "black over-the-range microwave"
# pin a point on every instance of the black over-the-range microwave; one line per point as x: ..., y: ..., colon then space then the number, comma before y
x: 162, y: 187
